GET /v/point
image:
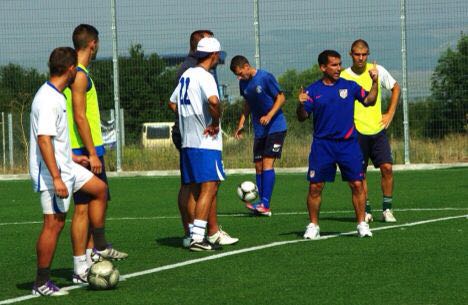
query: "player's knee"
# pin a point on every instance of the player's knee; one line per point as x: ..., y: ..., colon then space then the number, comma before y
x: 386, y: 169
x: 81, y: 211
x: 357, y: 186
x: 315, y: 189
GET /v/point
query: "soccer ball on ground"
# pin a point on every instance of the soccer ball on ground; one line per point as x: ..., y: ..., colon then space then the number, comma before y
x: 103, y: 275
x: 247, y: 191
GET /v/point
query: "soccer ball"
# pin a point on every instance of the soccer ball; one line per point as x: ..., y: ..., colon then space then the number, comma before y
x: 247, y: 191
x: 103, y: 275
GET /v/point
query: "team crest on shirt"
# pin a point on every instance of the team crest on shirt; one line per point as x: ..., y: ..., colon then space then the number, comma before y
x: 312, y: 174
x: 258, y: 89
x: 343, y: 93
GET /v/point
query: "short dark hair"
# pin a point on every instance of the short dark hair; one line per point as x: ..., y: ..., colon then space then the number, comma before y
x: 360, y: 42
x: 196, y: 36
x: 238, y: 61
x: 323, y: 57
x: 61, y: 59
x: 83, y: 34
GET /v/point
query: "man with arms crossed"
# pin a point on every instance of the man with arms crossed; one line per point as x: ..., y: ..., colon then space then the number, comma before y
x: 371, y: 124
x: 86, y: 140
x: 263, y: 98
x: 197, y: 102
x: 186, y: 201
x: 331, y: 102
x: 54, y: 174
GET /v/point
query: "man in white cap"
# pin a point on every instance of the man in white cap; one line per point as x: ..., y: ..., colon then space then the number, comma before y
x: 197, y: 101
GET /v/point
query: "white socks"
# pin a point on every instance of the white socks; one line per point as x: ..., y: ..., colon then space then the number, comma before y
x: 198, y: 230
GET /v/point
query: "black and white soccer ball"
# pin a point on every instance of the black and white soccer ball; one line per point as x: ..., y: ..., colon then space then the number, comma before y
x: 247, y: 191
x: 103, y: 275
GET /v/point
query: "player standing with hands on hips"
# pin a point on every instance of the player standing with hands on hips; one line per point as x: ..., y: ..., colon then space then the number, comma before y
x: 331, y: 102
x: 196, y: 100
x: 263, y: 99
x: 371, y: 124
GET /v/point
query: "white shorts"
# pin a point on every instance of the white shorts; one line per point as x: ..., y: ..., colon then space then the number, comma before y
x: 51, y: 204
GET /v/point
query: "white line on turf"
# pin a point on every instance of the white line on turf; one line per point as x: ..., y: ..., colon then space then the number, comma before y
x: 235, y: 252
x: 243, y: 215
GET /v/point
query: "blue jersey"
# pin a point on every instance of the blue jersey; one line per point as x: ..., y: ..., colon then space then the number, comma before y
x: 333, y: 108
x: 260, y: 93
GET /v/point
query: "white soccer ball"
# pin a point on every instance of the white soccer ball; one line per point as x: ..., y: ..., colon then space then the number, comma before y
x: 247, y: 191
x: 103, y: 275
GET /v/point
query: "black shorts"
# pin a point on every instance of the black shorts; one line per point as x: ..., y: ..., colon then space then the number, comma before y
x: 176, y: 136
x: 376, y: 147
x: 269, y: 146
x: 81, y: 197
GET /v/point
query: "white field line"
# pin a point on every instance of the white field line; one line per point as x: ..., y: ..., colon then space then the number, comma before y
x: 242, y: 215
x: 240, y: 251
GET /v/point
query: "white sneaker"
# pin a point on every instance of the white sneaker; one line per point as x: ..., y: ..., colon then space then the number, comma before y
x: 108, y: 254
x: 186, y: 241
x: 312, y: 231
x: 368, y: 218
x: 49, y: 289
x: 387, y: 216
x: 222, y: 238
x: 363, y: 230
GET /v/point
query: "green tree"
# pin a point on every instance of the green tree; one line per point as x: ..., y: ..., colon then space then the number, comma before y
x: 291, y: 82
x: 145, y: 82
x: 450, y: 92
x: 18, y: 86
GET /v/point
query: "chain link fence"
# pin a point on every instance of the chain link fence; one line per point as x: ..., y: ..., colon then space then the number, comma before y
x: 153, y: 38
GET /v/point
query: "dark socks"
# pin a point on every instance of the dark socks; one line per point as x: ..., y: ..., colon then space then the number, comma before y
x: 43, y: 275
x: 100, y: 242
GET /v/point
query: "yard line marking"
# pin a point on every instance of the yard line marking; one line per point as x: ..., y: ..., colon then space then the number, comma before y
x: 246, y: 214
x: 235, y: 252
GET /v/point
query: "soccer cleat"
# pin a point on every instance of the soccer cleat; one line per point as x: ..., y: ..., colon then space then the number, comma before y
x: 222, y: 238
x: 48, y: 289
x: 109, y: 253
x: 364, y: 230
x: 186, y: 241
x: 387, y: 216
x: 312, y: 231
x: 204, y: 245
x: 368, y: 218
x: 80, y: 278
x: 262, y: 210
x: 251, y: 206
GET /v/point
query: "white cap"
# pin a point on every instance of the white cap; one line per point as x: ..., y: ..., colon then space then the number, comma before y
x: 206, y: 46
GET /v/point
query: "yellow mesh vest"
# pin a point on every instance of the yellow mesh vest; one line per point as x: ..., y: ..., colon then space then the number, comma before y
x: 367, y: 119
x: 92, y: 114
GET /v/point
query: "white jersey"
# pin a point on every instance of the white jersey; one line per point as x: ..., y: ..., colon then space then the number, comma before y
x: 195, y: 86
x: 49, y: 117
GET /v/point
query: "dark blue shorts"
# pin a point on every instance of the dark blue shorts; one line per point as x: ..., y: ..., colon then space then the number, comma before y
x: 269, y: 146
x: 376, y: 147
x: 81, y: 197
x: 325, y: 155
x: 201, y: 165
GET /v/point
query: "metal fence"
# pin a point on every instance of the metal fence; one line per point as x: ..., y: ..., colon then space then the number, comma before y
x: 422, y: 43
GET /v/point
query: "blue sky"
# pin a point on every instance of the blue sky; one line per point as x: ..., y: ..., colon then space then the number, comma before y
x: 293, y: 32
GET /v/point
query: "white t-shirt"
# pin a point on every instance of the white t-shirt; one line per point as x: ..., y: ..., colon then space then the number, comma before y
x: 49, y: 117
x: 191, y: 95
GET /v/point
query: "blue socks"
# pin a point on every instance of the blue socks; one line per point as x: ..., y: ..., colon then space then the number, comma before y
x: 268, y: 182
x: 258, y: 178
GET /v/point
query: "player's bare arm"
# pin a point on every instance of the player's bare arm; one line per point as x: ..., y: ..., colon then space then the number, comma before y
x: 371, y: 98
x: 172, y: 106
x: 78, y: 89
x: 240, y: 126
x: 215, y: 111
x: 279, y: 102
x: 47, y: 152
x: 302, y: 115
x: 395, y: 97
x: 81, y: 160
